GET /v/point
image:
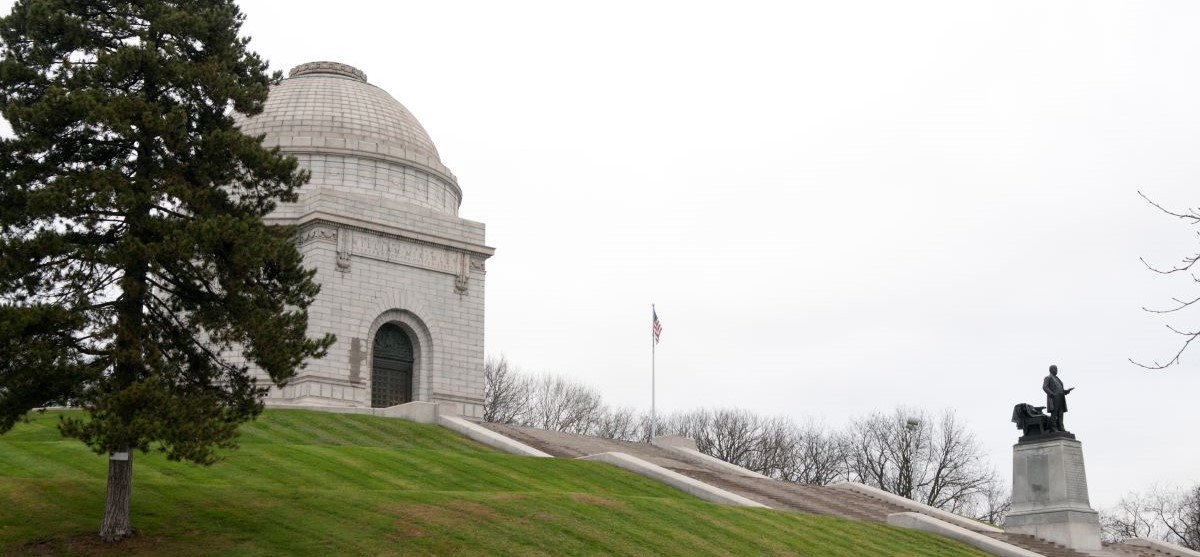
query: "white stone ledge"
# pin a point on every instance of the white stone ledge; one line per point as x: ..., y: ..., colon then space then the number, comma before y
x: 914, y: 506
x: 918, y: 521
x: 686, y: 449
x: 1051, y: 515
x: 674, y: 479
x: 471, y: 245
x: 333, y: 409
x: 488, y: 437
x: 416, y: 411
x: 1168, y: 548
x: 421, y: 412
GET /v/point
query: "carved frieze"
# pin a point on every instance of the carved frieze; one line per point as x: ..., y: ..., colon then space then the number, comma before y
x: 394, y: 250
x: 351, y: 242
x: 318, y: 234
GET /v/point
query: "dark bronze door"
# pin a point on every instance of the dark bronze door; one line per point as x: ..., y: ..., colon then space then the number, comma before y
x: 391, y: 367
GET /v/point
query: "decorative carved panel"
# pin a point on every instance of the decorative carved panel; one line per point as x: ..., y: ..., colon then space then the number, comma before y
x: 398, y: 251
x: 318, y: 234
x: 345, y: 241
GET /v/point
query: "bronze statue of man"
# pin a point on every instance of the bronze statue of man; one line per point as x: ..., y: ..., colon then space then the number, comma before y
x: 1056, y: 398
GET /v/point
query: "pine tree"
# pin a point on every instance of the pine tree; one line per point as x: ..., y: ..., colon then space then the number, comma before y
x: 134, y: 261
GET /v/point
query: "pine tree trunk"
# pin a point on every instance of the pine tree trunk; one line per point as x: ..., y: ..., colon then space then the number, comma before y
x: 115, y: 526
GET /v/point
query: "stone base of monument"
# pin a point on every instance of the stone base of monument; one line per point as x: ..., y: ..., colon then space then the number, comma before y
x: 1050, y: 494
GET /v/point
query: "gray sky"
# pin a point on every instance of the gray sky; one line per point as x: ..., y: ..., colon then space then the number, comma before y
x: 838, y: 207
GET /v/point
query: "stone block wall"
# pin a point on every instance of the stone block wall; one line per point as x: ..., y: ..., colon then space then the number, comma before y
x: 357, y: 175
x: 443, y: 316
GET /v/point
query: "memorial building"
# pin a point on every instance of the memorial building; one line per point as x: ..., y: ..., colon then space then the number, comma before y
x: 401, y: 274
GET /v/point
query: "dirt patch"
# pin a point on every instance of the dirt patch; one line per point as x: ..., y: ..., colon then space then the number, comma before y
x: 473, y: 510
x: 33, y: 496
x: 35, y: 547
x: 412, y: 517
x: 88, y: 544
x: 450, y: 513
x: 416, y: 520
x: 406, y: 531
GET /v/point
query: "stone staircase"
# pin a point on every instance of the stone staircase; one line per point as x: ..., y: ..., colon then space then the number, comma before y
x: 823, y: 500
x: 1124, y: 550
x: 843, y: 503
x: 1036, y: 545
x: 800, y: 498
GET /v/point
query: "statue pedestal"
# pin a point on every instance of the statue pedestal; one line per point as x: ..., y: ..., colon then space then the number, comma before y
x: 1050, y: 495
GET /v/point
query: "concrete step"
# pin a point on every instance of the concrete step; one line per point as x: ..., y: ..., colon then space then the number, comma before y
x: 1126, y: 550
x: 570, y: 445
x: 800, y: 498
x: 1036, y: 545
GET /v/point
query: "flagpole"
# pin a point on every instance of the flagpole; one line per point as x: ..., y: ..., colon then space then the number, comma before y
x: 653, y: 345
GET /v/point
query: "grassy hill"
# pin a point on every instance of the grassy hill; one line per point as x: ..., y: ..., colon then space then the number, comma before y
x: 311, y: 483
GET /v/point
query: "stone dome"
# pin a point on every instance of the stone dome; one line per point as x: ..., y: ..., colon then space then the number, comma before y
x: 327, y: 111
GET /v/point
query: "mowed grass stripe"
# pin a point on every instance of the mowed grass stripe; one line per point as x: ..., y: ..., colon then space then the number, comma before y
x: 41, y: 426
x: 355, y: 430
x: 308, y: 483
x: 291, y: 427
x: 62, y: 459
x: 285, y: 427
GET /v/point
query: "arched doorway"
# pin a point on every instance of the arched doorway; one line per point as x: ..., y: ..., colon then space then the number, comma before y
x: 391, y: 367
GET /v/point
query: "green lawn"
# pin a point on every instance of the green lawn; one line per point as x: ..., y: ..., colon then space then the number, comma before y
x: 311, y: 483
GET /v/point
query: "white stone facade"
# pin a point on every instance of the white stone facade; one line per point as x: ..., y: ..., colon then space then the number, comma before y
x: 379, y: 222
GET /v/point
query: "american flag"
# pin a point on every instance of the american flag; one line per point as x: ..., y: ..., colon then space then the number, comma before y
x: 656, y: 326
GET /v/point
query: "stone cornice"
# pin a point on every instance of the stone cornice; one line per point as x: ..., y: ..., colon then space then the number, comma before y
x: 315, y: 218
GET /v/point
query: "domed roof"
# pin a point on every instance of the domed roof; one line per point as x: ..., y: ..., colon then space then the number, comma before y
x: 327, y: 107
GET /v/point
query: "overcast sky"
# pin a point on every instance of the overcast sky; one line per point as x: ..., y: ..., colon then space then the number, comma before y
x: 838, y: 207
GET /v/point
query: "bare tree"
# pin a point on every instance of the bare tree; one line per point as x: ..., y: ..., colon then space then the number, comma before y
x: 994, y: 506
x: 957, y: 473
x: 1177, y: 514
x: 1171, y: 515
x: 881, y: 452
x: 1126, y: 519
x: 772, y: 452
x: 553, y: 402
x: 694, y: 424
x: 818, y: 456
x: 735, y: 434
x: 620, y: 423
x: 1189, y: 519
x: 561, y: 404
x: 934, y: 461
x: 1185, y: 266
x: 775, y: 447
x: 506, y: 392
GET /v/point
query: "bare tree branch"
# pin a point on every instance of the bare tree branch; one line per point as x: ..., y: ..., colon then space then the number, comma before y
x: 1192, y: 217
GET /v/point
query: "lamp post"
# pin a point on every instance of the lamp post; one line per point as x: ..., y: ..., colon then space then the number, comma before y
x: 913, y: 425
